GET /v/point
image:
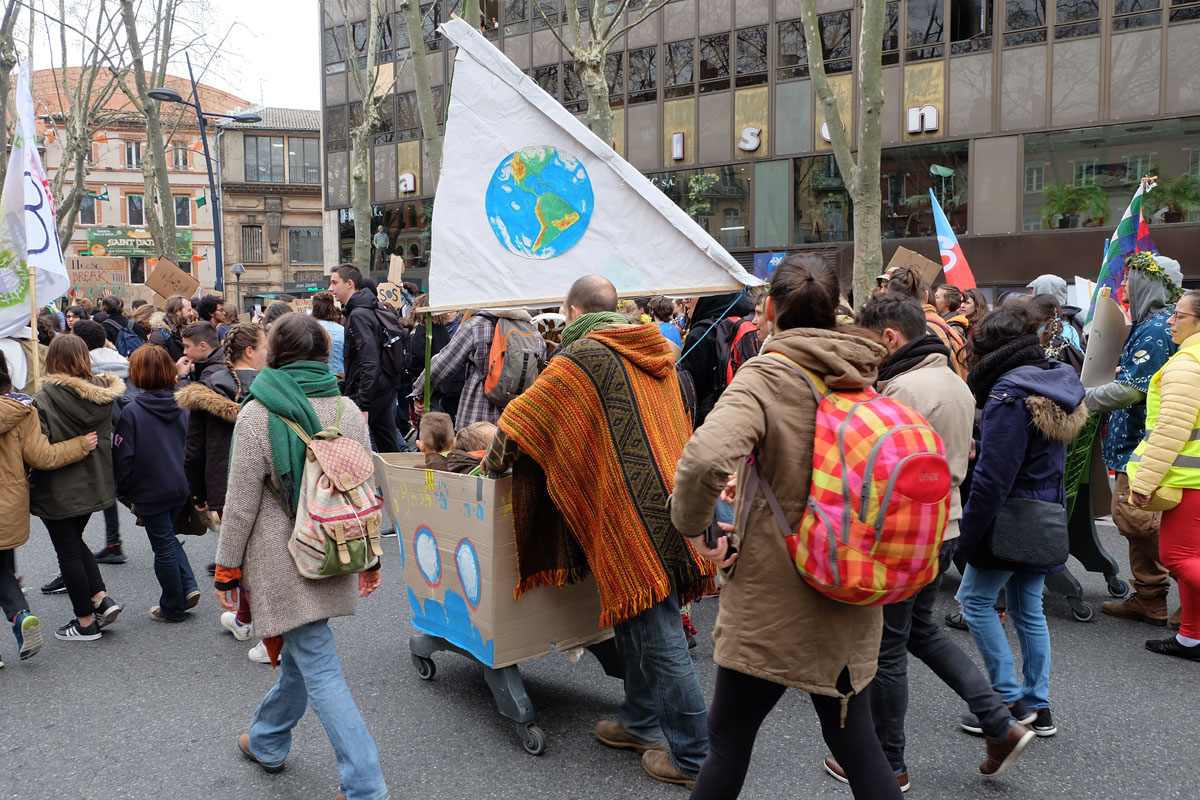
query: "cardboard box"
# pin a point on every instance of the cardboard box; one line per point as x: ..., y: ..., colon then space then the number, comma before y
x: 168, y: 279
x: 459, y: 558
x: 928, y: 269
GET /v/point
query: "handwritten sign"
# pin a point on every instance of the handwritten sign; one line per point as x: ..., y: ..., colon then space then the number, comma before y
x: 168, y: 279
x: 99, y: 277
x: 389, y: 293
x: 303, y: 304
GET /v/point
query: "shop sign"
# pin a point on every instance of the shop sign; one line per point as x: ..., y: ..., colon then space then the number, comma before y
x: 750, y: 139
x: 132, y: 243
x: 923, y: 119
x: 408, y: 183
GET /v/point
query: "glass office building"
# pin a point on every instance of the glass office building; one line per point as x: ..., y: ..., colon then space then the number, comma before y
x: 994, y: 105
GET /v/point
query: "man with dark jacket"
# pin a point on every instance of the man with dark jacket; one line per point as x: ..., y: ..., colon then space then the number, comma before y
x: 202, y: 353
x: 366, y: 382
x: 700, y: 357
x: 114, y: 317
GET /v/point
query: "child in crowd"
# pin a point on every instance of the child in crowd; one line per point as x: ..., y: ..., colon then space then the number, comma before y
x: 436, y: 439
x: 469, y: 446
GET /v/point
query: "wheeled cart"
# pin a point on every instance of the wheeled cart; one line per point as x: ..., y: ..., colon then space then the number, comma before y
x: 459, y: 558
x: 507, y: 687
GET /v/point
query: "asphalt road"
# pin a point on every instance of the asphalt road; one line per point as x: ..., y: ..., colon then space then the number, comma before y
x: 153, y: 711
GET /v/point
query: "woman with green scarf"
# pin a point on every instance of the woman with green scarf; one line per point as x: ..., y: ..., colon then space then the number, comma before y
x: 292, y: 612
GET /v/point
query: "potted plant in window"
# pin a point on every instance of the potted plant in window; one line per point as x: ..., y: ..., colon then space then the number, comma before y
x: 1178, y: 195
x: 1091, y: 203
x: 1069, y: 204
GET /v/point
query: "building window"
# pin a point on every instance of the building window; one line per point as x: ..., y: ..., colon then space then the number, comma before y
x: 547, y: 78
x: 431, y: 18
x: 1137, y: 165
x: 87, y: 210
x: 304, y: 246
x: 1035, y: 178
x: 304, y: 160
x: 970, y: 26
x: 264, y: 159
x: 574, y: 96
x: 337, y: 130
x: 751, y: 56
x: 917, y: 169
x: 549, y: 8
x: 1031, y: 221
x: 179, y: 156
x: 1130, y: 14
x: 822, y: 210
x: 1189, y: 10
x: 252, y: 244
x: 333, y: 46
x: 1084, y: 173
x: 133, y: 154
x: 1194, y: 162
x: 1076, y: 18
x: 134, y: 210
x: 714, y: 63
x: 137, y: 269
x: 408, y: 120
x: 836, y: 46
x: 891, y: 34
x: 183, y: 210
x: 614, y: 73
x: 1025, y: 22
x: 643, y: 75
x: 925, y: 24
x: 516, y: 17
x: 679, y: 69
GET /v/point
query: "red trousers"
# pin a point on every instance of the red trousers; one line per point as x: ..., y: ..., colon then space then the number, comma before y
x: 1179, y: 549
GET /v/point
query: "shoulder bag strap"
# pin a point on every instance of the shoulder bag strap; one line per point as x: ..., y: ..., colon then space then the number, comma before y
x: 754, y: 482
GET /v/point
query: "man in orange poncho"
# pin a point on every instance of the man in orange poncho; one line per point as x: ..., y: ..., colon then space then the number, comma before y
x: 605, y: 423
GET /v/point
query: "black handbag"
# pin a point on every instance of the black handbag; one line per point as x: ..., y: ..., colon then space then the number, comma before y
x: 1031, y: 532
x: 191, y: 522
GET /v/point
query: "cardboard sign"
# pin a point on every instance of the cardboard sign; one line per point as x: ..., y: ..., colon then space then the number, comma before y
x: 1110, y: 328
x: 168, y: 279
x: 927, y: 269
x: 390, y: 293
x: 459, y: 557
x: 98, y: 277
x: 303, y: 304
x: 396, y: 269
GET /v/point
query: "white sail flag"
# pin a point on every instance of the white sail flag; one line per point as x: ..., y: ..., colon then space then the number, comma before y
x: 28, y: 236
x: 529, y: 200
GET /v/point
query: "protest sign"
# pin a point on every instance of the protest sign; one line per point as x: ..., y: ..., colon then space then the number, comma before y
x: 1110, y: 328
x: 98, y: 277
x: 168, y: 279
x: 389, y: 293
x: 926, y: 268
x: 396, y: 269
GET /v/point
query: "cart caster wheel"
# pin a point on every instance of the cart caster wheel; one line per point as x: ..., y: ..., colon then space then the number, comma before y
x: 533, y: 738
x: 1083, y: 612
x: 1117, y: 587
x: 426, y: 669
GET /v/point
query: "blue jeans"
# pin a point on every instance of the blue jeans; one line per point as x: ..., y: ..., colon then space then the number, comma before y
x: 662, y: 693
x: 977, y: 593
x: 171, y: 565
x: 310, y: 673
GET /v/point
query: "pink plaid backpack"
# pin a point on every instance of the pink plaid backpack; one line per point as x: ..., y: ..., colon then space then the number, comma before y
x: 339, y: 516
x: 879, y: 501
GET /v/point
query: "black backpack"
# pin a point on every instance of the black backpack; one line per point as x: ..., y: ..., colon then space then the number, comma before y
x: 736, y: 342
x: 395, y: 353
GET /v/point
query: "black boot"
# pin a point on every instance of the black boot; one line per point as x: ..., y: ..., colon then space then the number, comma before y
x: 110, y: 554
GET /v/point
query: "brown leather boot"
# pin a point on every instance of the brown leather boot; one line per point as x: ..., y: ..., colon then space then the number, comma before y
x: 1153, y: 612
x: 1002, y: 754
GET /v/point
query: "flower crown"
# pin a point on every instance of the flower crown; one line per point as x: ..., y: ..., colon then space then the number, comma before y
x: 1146, y: 264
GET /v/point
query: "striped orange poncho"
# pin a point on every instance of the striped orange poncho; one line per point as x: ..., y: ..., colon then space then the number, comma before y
x: 605, y: 422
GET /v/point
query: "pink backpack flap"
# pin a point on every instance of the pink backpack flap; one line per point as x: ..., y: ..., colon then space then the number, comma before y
x: 878, y: 503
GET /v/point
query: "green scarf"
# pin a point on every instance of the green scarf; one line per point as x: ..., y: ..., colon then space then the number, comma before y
x: 285, y: 392
x: 586, y: 323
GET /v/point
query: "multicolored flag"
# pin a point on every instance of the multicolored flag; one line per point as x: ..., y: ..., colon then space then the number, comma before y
x: 954, y: 263
x: 28, y: 234
x: 1129, y: 237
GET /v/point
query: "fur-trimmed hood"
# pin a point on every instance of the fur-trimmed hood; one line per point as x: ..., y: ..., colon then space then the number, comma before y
x: 198, y: 397
x: 158, y: 322
x: 1053, y: 420
x: 86, y: 390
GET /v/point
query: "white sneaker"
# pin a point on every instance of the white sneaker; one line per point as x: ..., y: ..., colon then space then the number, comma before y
x: 241, y: 632
x: 258, y: 654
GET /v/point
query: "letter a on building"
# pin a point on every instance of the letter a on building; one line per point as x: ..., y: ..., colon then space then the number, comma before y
x: 529, y: 200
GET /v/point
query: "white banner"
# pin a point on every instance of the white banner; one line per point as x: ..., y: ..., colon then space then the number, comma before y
x: 529, y: 200
x: 28, y: 236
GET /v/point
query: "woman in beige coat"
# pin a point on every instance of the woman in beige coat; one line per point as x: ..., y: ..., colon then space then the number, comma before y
x: 773, y: 630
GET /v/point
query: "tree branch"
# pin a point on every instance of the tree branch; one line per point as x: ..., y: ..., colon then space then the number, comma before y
x: 552, y: 26
x: 838, y: 134
x: 642, y: 17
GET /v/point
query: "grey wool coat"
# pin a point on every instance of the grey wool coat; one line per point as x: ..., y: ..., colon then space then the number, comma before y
x: 255, y: 528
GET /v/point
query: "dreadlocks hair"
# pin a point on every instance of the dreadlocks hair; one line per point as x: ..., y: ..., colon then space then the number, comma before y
x: 239, y: 337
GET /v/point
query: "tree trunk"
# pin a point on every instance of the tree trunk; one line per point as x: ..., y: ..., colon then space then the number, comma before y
x: 425, y: 108
x: 360, y: 196
x: 160, y: 215
x: 595, y: 85
x: 471, y: 13
x: 8, y: 60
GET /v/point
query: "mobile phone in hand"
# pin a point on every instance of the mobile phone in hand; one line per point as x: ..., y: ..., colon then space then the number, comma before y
x: 713, y: 536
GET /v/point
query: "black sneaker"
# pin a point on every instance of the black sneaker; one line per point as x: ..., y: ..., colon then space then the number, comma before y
x: 212, y: 569
x: 56, y: 586
x: 955, y: 620
x: 74, y: 632
x: 110, y: 554
x: 107, y: 611
x: 1043, y: 723
x: 1173, y: 647
x: 1020, y: 711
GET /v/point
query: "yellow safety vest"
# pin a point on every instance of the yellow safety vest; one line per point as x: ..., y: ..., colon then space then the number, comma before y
x: 1185, y: 472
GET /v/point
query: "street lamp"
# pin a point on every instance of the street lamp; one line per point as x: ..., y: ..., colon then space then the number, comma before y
x: 165, y: 95
x: 238, y: 270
